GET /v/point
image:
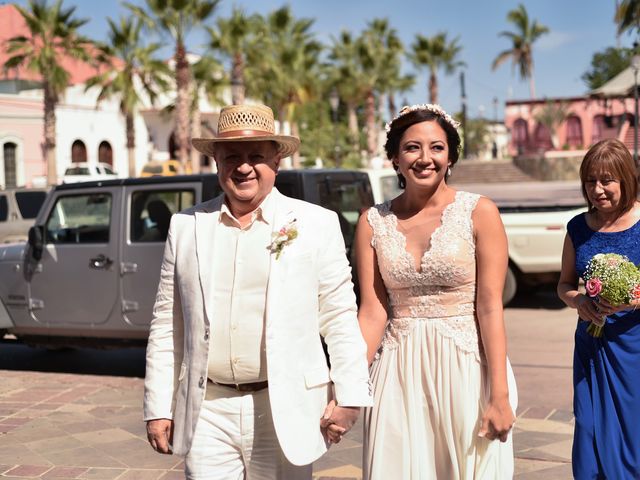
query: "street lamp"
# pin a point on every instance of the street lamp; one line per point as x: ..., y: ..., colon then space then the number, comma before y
x: 635, y: 65
x: 334, y: 102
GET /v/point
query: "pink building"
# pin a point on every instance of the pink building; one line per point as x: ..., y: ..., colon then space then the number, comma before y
x: 589, y: 120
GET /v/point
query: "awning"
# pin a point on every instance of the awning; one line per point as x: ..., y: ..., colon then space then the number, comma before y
x: 619, y: 86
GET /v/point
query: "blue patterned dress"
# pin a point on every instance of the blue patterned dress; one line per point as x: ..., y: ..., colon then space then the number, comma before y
x: 606, y: 372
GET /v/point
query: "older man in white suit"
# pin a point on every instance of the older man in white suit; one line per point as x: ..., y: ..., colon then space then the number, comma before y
x: 236, y: 378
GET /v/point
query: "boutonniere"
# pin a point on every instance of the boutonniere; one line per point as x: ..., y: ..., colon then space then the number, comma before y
x: 283, y: 237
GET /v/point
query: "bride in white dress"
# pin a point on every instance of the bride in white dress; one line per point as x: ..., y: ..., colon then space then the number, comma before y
x: 431, y: 265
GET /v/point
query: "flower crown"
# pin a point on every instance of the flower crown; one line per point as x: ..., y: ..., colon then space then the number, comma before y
x: 429, y: 107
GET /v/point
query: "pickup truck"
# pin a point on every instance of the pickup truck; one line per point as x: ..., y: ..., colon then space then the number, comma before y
x: 534, y: 214
x: 90, y: 269
x: 535, y: 217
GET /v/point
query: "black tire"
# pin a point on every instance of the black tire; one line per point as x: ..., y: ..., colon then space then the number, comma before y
x: 510, y: 286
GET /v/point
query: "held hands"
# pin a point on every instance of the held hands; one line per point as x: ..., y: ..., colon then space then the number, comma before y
x: 497, y: 421
x: 160, y: 434
x: 337, y: 421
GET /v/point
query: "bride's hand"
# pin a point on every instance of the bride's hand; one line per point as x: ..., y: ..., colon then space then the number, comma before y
x: 497, y: 421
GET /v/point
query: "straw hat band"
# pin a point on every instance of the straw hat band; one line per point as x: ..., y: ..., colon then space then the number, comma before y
x: 244, y: 133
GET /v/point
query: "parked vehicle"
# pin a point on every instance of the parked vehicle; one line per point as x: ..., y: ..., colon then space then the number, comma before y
x: 163, y: 168
x: 18, y: 210
x: 534, y: 214
x: 384, y: 183
x: 535, y: 217
x: 89, y: 273
x: 84, y: 172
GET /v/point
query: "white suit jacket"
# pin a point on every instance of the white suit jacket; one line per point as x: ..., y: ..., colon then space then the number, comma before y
x: 309, y: 294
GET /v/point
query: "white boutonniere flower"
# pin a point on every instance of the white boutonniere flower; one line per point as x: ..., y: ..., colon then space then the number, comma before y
x: 283, y: 237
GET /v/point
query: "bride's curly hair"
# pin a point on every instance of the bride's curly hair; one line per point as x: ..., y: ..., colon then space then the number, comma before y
x: 399, y: 125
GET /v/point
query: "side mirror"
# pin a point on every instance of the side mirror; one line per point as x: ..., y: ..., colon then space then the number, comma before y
x: 36, y: 241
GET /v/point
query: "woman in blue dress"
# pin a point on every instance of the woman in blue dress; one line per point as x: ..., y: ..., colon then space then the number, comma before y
x: 606, y: 369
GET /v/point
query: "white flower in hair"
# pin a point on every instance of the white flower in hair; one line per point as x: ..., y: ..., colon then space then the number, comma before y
x: 430, y: 107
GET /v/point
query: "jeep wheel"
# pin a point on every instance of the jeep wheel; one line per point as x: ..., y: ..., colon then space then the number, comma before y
x: 510, y: 286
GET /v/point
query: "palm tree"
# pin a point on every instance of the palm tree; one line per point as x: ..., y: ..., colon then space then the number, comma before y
x: 399, y: 84
x: 628, y: 15
x: 178, y: 18
x: 551, y: 115
x: 139, y: 71
x: 285, y: 70
x: 521, y: 52
x: 379, y: 56
x: 234, y: 37
x: 346, y: 76
x: 52, y: 35
x: 209, y: 81
x: 435, y: 52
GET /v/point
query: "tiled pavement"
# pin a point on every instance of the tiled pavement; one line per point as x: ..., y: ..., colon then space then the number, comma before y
x: 62, y: 426
x: 86, y: 425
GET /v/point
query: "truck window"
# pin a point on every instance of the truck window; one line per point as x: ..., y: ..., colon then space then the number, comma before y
x: 29, y: 203
x: 346, y: 200
x: 390, y: 188
x: 151, y: 212
x: 4, y: 208
x: 77, y: 171
x: 80, y: 219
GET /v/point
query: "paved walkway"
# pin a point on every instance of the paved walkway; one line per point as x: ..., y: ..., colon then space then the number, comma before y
x: 76, y: 414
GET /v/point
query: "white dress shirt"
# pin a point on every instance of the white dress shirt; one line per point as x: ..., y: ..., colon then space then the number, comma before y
x: 241, y: 260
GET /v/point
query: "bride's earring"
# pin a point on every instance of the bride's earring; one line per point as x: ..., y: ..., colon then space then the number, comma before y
x: 448, y: 171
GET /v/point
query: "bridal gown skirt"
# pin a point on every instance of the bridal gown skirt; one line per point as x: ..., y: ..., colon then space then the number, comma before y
x: 429, y: 396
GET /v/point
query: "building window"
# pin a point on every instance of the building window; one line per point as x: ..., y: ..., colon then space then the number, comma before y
x: 78, y: 152
x: 542, y: 138
x: 574, y: 132
x: 105, y: 153
x: 520, y: 135
x: 10, y: 173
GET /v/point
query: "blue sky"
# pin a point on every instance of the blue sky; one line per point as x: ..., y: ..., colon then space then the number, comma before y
x: 578, y: 28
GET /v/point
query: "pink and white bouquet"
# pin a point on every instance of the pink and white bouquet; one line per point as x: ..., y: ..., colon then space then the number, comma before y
x: 614, y: 278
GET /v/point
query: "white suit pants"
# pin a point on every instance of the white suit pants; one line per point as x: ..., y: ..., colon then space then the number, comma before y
x: 235, y: 439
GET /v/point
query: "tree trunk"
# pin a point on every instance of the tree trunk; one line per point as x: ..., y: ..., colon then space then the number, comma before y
x: 196, y: 131
x: 50, y: 101
x: 372, y: 128
x: 131, y: 143
x: 182, y: 104
x: 532, y: 86
x: 391, y: 102
x: 354, y: 133
x: 433, y: 87
x: 295, y: 158
x: 237, y: 79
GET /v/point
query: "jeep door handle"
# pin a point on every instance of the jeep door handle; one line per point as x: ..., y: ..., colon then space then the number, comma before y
x: 100, y: 262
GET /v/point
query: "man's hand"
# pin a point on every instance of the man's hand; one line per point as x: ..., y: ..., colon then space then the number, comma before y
x: 160, y: 434
x: 337, y: 421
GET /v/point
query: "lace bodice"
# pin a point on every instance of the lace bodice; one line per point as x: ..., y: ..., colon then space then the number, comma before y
x: 444, y: 288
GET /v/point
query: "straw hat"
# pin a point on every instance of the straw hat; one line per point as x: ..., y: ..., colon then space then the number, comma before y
x: 247, y: 123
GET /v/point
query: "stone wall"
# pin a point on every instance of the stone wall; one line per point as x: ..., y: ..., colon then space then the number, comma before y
x: 552, y: 165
